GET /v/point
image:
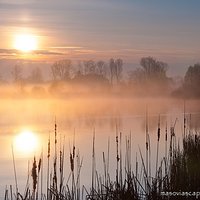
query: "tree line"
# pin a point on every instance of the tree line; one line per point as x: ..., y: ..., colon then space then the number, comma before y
x: 150, y: 76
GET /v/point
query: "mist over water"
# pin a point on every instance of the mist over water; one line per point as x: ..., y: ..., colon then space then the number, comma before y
x: 83, y: 115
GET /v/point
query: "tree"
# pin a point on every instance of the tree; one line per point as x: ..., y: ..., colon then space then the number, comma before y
x: 116, y: 69
x: 112, y: 70
x: 101, y: 68
x: 136, y: 77
x: 153, y: 69
x: 17, y: 73
x: 89, y: 67
x: 36, y: 75
x: 192, y: 80
x: 150, y: 78
x: 61, y: 69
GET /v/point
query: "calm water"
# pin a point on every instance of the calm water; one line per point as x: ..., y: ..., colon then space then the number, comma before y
x: 82, y: 116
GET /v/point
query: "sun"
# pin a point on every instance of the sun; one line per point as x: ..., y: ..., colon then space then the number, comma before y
x: 25, y: 42
x: 26, y: 142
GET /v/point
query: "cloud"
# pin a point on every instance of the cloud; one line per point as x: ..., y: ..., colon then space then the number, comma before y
x: 13, y: 52
x: 46, y: 52
x: 66, y: 47
x: 8, y: 51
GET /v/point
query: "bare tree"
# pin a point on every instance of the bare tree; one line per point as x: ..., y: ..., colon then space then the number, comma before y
x: 89, y: 66
x: 36, y: 75
x: 61, y: 70
x: 17, y: 73
x: 112, y: 70
x: 136, y: 77
x: 192, y: 80
x: 101, y: 68
x: 151, y: 77
x: 153, y: 69
x: 116, y: 69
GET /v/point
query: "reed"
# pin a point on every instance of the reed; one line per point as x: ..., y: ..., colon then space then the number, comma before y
x: 177, y: 170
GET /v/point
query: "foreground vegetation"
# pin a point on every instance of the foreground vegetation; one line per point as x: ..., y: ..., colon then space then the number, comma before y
x: 177, y: 171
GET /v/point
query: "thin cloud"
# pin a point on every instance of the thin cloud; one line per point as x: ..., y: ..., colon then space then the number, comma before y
x: 66, y: 47
x: 46, y: 52
x: 8, y: 51
x: 36, y: 52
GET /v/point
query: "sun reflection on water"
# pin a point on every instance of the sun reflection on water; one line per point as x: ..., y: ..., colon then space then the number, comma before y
x: 26, y: 142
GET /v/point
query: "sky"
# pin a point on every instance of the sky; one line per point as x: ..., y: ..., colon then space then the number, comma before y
x: 101, y: 29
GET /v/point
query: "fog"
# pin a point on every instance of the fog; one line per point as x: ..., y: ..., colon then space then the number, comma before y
x: 91, y: 102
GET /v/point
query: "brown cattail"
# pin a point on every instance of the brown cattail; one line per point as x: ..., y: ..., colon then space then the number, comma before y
x: 34, y: 174
x: 60, y: 161
x: 55, y: 132
x: 159, y: 128
x: 117, y: 142
x: 48, y: 149
x: 71, y: 162
x: 39, y: 165
x: 74, y: 152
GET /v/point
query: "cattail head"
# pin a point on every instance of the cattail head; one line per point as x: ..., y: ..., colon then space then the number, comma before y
x: 71, y: 162
x: 39, y: 165
x: 118, y: 158
x: 34, y: 174
x: 61, y: 161
x: 116, y: 139
x: 158, y: 133
x: 55, y: 133
x: 147, y: 146
x: 196, y: 139
x: 73, y: 151
x: 159, y: 128
x: 49, y: 148
x: 172, y: 131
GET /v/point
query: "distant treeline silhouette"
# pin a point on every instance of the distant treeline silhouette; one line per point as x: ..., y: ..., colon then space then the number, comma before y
x: 150, y: 78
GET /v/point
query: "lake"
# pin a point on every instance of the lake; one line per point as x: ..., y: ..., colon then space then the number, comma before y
x: 26, y: 125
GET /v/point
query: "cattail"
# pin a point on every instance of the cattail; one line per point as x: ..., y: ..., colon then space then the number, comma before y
x: 172, y: 131
x: 60, y: 161
x: 71, y: 162
x: 117, y: 142
x: 159, y: 129
x: 34, y: 174
x: 39, y: 165
x: 73, y: 151
x: 158, y: 146
x: 55, y: 132
x: 48, y: 155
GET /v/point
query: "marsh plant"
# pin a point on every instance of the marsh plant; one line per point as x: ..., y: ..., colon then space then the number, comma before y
x: 178, y: 170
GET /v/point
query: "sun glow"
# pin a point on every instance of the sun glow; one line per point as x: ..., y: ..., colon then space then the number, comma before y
x: 26, y: 142
x: 25, y: 42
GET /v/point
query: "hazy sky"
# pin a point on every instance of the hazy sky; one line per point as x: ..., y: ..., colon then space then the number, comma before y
x: 168, y: 30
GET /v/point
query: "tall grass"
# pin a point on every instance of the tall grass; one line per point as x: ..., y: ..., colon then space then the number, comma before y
x: 177, y: 170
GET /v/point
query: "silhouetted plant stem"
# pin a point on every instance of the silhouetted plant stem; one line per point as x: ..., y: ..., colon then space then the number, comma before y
x: 15, y: 172
x: 93, y: 164
x: 11, y: 193
x: 158, y: 139
x: 184, y: 120
x: 48, y: 157
x: 120, y: 161
x: 117, y: 158
x: 55, y: 161
x: 147, y: 149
